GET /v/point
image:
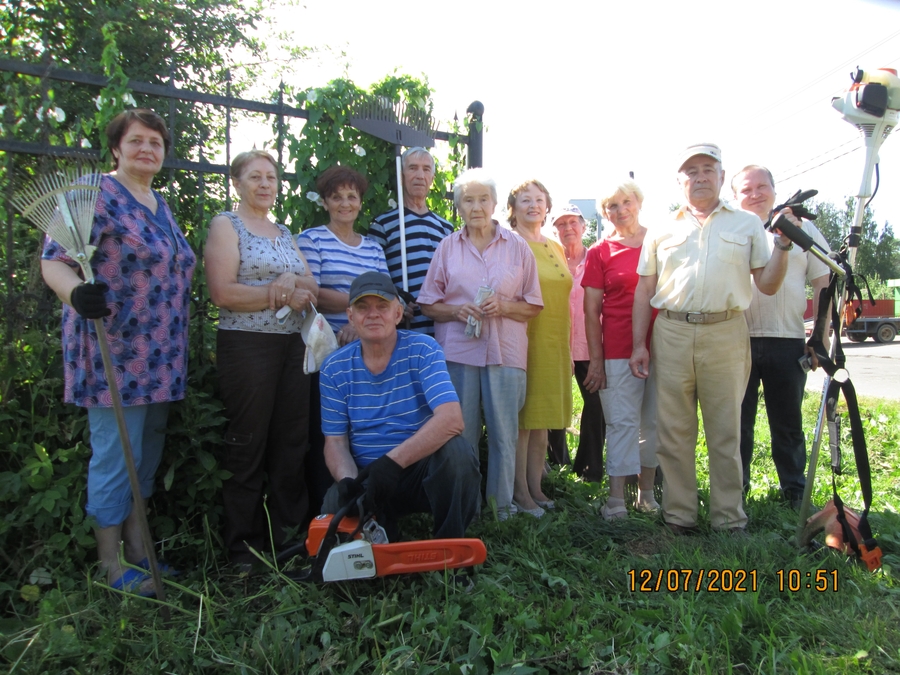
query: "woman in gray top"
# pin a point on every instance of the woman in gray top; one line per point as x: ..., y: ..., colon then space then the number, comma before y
x: 253, y: 269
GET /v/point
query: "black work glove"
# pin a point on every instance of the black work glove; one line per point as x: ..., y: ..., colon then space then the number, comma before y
x: 89, y: 300
x: 349, y: 490
x: 384, y: 474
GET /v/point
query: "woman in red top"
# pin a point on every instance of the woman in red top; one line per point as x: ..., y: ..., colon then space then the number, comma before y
x: 629, y: 403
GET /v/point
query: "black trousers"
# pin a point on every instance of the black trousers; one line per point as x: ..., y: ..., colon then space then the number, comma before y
x: 266, y: 397
x: 446, y: 484
x: 318, y: 477
x: 589, y: 457
x: 773, y: 361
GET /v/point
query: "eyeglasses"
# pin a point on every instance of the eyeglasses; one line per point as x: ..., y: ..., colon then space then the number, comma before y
x: 565, y: 223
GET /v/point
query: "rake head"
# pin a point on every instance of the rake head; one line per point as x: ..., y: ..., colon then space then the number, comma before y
x: 61, y: 203
x: 397, y: 123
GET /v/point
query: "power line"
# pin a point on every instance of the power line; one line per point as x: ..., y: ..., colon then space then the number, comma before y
x: 813, y: 159
x: 800, y: 173
x: 818, y: 102
x: 819, y: 79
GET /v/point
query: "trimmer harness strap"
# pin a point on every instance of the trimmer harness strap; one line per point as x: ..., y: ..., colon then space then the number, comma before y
x: 866, y: 550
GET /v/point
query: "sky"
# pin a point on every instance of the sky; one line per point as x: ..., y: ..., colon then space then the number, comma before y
x: 578, y: 94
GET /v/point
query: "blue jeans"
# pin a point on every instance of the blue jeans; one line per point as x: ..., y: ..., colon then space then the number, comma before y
x: 774, y: 363
x: 108, y: 490
x: 446, y: 484
x: 501, y: 390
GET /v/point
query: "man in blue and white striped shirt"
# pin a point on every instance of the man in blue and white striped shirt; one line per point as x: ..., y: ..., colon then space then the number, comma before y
x: 390, y: 409
x: 424, y: 230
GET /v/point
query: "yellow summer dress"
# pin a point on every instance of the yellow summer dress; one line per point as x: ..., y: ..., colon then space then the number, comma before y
x: 548, y: 394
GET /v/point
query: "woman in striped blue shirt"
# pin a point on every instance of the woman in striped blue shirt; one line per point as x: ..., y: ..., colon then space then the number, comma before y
x: 336, y: 254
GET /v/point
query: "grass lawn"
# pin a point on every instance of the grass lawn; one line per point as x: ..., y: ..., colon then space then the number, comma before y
x: 562, y: 594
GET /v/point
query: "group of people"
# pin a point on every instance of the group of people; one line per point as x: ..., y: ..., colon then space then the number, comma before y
x: 494, y: 321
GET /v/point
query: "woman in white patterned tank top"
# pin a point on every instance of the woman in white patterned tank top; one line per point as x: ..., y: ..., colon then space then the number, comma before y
x: 253, y: 269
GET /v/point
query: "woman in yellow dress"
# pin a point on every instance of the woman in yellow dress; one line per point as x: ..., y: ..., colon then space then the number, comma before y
x: 548, y: 395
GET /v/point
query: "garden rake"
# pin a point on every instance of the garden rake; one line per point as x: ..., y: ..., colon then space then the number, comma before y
x: 402, y: 125
x: 62, y: 205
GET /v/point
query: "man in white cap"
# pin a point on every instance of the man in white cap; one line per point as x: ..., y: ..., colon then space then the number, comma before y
x: 696, y: 271
x: 777, y: 342
x: 392, y: 420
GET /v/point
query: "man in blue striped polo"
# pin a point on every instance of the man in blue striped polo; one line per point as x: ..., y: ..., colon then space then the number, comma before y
x: 391, y: 414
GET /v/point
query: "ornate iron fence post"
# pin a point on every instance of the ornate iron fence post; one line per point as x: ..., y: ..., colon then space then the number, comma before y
x: 227, y: 138
x: 280, y: 197
x: 475, y: 111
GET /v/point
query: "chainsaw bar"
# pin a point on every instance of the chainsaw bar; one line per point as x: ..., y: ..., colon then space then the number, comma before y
x: 364, y: 557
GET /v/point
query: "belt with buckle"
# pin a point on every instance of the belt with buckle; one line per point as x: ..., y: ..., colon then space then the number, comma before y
x: 698, y: 317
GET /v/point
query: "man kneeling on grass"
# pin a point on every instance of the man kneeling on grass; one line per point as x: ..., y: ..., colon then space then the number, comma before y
x: 392, y: 420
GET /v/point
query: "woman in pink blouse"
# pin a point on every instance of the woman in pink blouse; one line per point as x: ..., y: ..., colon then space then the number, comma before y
x: 629, y: 403
x: 485, y: 343
x: 569, y: 226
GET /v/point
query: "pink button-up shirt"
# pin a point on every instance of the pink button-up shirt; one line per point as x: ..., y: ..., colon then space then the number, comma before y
x: 576, y: 311
x: 457, y: 270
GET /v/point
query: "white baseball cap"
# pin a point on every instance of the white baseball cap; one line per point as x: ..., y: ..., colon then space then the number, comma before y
x: 708, y: 149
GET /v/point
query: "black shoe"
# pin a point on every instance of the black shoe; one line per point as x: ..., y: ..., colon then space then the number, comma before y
x: 682, y: 530
x: 795, y: 499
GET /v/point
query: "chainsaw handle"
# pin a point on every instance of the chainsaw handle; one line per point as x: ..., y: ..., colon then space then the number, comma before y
x: 314, y: 572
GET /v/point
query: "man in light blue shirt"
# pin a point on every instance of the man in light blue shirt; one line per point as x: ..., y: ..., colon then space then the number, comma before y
x: 392, y: 420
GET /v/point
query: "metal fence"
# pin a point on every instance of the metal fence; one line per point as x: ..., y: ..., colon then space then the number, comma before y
x: 48, y: 72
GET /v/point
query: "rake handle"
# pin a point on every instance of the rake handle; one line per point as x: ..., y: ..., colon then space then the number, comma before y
x: 144, y: 526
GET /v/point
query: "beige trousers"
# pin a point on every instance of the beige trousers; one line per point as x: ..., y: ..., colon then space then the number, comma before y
x: 710, y: 364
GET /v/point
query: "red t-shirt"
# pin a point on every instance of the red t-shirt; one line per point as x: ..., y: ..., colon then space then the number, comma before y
x: 612, y: 267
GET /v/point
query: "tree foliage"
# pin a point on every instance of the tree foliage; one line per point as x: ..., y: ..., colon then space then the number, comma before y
x: 878, y: 255
x: 321, y: 145
x: 43, y: 443
x: 44, y: 446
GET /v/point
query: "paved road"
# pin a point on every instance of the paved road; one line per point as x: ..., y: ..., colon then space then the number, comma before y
x: 874, y: 369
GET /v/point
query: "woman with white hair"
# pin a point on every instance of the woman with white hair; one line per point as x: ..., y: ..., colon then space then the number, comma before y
x: 485, y: 343
x: 629, y: 403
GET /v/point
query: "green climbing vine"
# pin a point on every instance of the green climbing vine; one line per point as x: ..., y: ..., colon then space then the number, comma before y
x: 327, y: 139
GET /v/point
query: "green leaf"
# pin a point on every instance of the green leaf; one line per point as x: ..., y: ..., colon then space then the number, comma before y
x: 207, y: 460
x: 41, y: 577
x: 41, y: 453
x: 660, y: 641
x: 30, y: 593
x: 169, y: 478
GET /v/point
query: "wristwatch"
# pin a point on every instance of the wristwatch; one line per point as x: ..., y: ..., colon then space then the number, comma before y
x: 782, y: 246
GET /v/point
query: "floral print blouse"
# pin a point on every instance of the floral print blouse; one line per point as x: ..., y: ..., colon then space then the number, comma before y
x: 148, y: 265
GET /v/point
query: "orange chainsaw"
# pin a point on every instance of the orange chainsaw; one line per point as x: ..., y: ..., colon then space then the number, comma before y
x: 356, y: 547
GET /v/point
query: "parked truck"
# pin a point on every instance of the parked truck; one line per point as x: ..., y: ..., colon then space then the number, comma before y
x: 882, y: 328
x: 880, y: 322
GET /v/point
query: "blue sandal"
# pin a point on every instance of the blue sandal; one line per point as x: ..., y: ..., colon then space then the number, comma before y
x: 131, y: 582
x: 164, y: 568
